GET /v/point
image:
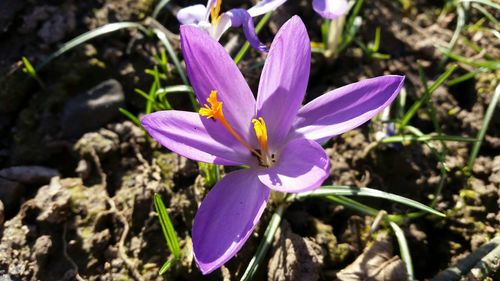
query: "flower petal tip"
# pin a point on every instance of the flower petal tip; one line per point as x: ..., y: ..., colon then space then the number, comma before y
x: 226, y: 218
x: 241, y: 17
x: 399, y: 80
x: 330, y: 9
x: 347, y: 107
x: 145, y: 121
x: 296, y: 22
x: 204, y: 268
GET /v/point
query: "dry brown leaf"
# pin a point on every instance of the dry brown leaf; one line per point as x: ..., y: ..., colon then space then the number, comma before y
x: 377, y: 263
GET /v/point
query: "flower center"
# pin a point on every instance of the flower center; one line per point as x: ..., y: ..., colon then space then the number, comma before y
x: 213, y: 110
x: 215, y: 12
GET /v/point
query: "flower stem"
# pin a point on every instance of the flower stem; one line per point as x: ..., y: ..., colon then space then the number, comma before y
x: 265, y: 243
x: 486, y: 122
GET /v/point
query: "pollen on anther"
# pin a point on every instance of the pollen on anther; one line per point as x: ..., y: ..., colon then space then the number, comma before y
x: 215, y: 12
x: 214, y: 107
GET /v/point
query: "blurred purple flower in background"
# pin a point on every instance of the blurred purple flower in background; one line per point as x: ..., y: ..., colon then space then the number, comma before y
x: 330, y: 9
x: 276, y: 137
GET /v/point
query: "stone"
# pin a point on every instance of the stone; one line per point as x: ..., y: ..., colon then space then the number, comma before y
x: 54, y: 202
x: 41, y: 249
x: 93, y: 109
x: 101, y: 143
x: 377, y: 263
x: 29, y: 174
x: 294, y: 258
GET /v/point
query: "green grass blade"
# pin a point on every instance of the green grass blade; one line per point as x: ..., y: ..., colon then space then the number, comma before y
x: 144, y: 95
x: 210, y: 172
x: 239, y: 56
x: 403, y: 249
x: 376, y: 41
x: 365, y: 191
x: 484, y: 127
x: 170, y: 50
x: 105, y: 29
x: 441, y: 79
x: 417, y: 104
x: 425, y: 138
x: 28, y: 67
x: 485, y: 12
x: 485, y: 2
x: 167, y: 265
x: 430, y: 105
x: 151, y: 100
x: 400, y: 106
x: 353, y: 204
x: 350, y: 27
x: 264, y: 245
x: 158, y: 7
x: 30, y: 70
x: 489, y: 64
x: 464, y: 77
x: 362, y: 208
x: 163, y: 62
x: 174, y: 89
x: 461, y: 15
x: 130, y: 116
x: 167, y: 227
x: 161, y: 101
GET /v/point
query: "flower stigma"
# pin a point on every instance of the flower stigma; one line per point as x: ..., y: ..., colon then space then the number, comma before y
x: 215, y: 12
x: 213, y: 110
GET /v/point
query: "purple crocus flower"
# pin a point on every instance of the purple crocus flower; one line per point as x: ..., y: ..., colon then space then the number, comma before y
x: 215, y: 23
x: 209, y: 18
x: 330, y: 9
x: 276, y: 137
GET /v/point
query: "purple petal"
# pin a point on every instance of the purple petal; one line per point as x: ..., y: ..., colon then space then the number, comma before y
x: 226, y: 218
x: 330, y: 9
x: 192, y: 14
x: 184, y: 133
x: 209, y: 67
x: 264, y: 7
x: 240, y: 17
x: 284, y: 79
x: 346, y: 108
x: 302, y: 166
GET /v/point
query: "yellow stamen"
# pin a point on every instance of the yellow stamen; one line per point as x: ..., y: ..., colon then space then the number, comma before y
x: 214, y: 110
x: 260, y: 128
x: 215, y: 12
x: 261, y: 132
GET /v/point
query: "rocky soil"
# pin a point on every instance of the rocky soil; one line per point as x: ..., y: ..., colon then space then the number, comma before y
x: 77, y: 179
